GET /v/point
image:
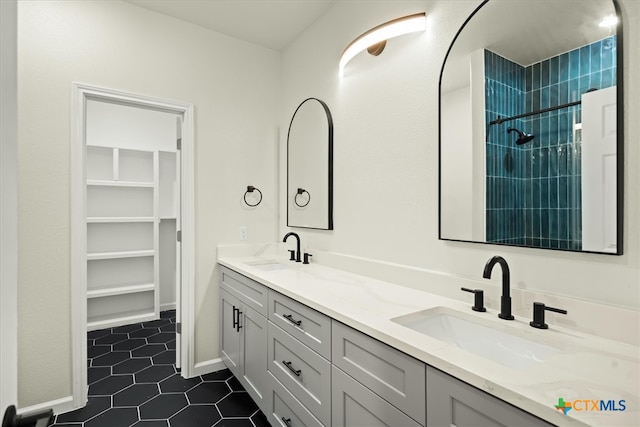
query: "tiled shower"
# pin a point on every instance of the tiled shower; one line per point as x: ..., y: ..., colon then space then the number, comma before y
x: 533, y: 191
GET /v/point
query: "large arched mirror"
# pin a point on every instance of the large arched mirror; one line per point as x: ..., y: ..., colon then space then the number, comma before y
x: 310, y: 166
x: 531, y: 122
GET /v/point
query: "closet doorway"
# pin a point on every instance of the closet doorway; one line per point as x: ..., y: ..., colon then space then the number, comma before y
x: 132, y: 210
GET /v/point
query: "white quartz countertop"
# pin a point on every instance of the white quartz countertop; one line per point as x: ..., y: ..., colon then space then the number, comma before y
x: 586, y: 368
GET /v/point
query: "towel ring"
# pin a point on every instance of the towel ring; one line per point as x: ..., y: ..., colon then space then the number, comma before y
x: 300, y: 192
x: 251, y: 189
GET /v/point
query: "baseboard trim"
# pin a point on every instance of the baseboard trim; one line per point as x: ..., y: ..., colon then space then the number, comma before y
x: 64, y: 404
x: 168, y: 306
x: 208, y: 366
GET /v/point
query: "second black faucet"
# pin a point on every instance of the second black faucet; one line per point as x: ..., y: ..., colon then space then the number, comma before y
x: 505, y: 300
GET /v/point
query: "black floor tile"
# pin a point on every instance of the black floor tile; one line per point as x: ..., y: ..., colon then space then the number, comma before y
x: 196, y: 415
x: 144, y: 333
x: 152, y: 423
x: 121, y: 417
x: 208, y: 392
x: 133, y: 382
x: 156, y: 323
x: 177, y: 384
x: 97, y: 334
x: 260, y: 420
x: 110, y: 359
x: 162, y: 337
x: 135, y: 395
x: 155, y: 374
x: 237, y: 404
x: 168, y: 314
x: 96, y: 374
x: 129, y: 344
x: 110, y: 385
x: 163, y: 406
x: 222, y: 375
x: 111, y: 339
x: 234, y: 384
x: 97, y: 350
x: 169, y: 328
x: 94, y: 406
x: 131, y: 366
x: 148, y: 350
x: 235, y: 422
x: 127, y: 328
x: 165, y: 358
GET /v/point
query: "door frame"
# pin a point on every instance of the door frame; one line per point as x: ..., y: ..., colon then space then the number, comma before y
x: 9, y: 203
x: 80, y: 94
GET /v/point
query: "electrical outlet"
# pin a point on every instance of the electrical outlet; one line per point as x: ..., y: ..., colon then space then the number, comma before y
x: 243, y: 232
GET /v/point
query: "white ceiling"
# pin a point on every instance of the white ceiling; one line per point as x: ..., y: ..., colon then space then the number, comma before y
x: 273, y: 24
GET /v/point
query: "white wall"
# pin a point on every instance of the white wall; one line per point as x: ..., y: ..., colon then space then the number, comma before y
x: 234, y: 87
x: 8, y: 205
x: 385, y: 114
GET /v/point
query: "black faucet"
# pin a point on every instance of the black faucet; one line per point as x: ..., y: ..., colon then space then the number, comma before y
x: 505, y: 300
x: 286, y: 236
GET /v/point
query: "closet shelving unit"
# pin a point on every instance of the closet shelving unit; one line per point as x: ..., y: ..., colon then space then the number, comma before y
x: 122, y: 236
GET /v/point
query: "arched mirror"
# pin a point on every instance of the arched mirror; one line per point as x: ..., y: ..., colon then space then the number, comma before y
x: 310, y: 166
x: 531, y: 140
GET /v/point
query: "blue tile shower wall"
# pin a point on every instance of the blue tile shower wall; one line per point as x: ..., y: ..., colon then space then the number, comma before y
x: 534, y: 190
x: 504, y: 97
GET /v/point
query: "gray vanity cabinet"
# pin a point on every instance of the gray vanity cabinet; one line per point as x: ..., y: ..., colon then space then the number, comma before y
x: 451, y: 402
x: 304, y: 368
x: 243, y: 338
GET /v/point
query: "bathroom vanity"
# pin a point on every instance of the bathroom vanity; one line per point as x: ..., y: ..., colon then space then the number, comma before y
x: 318, y: 346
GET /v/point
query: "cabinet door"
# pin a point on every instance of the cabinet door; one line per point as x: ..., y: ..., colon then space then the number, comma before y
x: 452, y: 402
x: 229, y: 335
x: 253, y: 354
x: 354, y: 405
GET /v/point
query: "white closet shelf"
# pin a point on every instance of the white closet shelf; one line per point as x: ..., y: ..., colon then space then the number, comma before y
x: 106, y: 183
x: 112, y: 219
x: 107, y: 321
x: 130, y: 289
x: 120, y: 254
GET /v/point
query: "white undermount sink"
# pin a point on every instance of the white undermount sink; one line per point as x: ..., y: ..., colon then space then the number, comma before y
x: 497, y: 345
x: 267, y: 265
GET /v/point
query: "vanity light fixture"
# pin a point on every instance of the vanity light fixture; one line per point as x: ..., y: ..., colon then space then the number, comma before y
x: 376, y: 38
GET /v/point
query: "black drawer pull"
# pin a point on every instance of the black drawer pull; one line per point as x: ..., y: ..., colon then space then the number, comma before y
x: 239, y: 326
x: 288, y: 365
x: 290, y: 319
x: 287, y: 421
x: 235, y: 320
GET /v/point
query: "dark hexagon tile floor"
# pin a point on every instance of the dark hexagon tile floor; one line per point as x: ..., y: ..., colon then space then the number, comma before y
x: 133, y: 382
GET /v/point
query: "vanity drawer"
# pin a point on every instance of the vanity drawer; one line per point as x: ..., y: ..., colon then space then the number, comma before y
x: 393, y: 375
x: 354, y: 405
x: 285, y: 410
x: 302, y: 371
x: 247, y: 290
x: 307, y: 325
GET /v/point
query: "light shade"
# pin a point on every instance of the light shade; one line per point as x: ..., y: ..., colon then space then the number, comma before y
x: 396, y: 27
